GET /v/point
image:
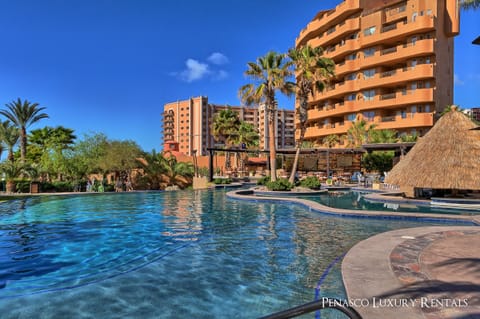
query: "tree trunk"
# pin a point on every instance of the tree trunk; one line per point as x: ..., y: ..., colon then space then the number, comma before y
x: 297, y: 156
x: 23, y: 144
x: 10, y: 187
x: 272, y: 146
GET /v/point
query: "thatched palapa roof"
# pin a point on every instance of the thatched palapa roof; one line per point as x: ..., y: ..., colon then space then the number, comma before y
x: 447, y: 157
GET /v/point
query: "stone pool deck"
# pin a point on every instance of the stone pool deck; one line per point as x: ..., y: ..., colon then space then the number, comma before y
x: 425, y: 272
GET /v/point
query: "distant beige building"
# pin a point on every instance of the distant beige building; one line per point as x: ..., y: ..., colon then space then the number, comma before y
x: 189, y: 122
x: 393, y: 64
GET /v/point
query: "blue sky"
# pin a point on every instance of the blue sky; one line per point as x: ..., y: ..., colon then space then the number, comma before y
x: 109, y: 66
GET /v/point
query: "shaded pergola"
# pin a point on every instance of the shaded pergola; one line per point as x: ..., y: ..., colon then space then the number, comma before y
x: 399, y: 148
x: 283, y: 152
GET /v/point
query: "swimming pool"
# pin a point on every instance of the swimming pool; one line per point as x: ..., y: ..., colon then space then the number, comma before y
x: 355, y: 200
x: 168, y: 255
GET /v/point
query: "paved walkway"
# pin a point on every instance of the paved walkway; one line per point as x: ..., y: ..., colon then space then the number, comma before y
x: 427, y: 272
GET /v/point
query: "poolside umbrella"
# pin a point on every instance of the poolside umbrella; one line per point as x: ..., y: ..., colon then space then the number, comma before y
x: 447, y: 157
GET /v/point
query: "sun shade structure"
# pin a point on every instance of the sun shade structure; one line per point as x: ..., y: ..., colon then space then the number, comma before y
x: 447, y: 157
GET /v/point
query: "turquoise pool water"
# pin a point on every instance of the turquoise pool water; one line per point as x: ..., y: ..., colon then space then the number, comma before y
x: 355, y: 200
x: 189, y: 254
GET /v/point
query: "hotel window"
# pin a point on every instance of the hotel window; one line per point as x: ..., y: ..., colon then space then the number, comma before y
x: 414, y: 17
x: 427, y: 108
x: 369, y: 31
x: 369, y: 115
x: 351, y: 117
x: 350, y: 57
x: 351, y: 77
x: 368, y: 74
x: 368, y: 52
x: 369, y: 95
x: 351, y: 97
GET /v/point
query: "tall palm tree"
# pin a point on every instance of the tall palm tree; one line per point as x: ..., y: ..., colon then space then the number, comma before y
x: 469, y: 4
x: 23, y: 114
x: 225, y: 125
x: 9, y: 135
x: 269, y: 74
x: 312, y: 72
x: 246, y: 135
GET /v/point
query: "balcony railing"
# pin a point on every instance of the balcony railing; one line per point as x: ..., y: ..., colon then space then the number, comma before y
x: 387, y: 96
x: 388, y: 51
x: 389, y: 28
x: 388, y: 74
x: 388, y: 118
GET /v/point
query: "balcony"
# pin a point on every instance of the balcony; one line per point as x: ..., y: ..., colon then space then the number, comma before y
x: 400, y: 53
x: 399, y: 76
x: 396, y: 13
x: 340, y: 31
x: 330, y: 128
x: 401, y: 31
x: 327, y: 20
x: 411, y: 120
x: 396, y: 99
x: 348, y: 47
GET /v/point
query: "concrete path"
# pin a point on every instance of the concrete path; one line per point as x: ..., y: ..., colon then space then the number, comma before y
x: 427, y: 272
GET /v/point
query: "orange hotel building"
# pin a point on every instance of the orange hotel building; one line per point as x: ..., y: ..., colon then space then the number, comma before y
x: 189, y: 123
x: 394, y: 64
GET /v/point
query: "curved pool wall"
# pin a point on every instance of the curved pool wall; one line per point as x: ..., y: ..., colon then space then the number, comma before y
x: 171, y: 254
x: 320, y: 208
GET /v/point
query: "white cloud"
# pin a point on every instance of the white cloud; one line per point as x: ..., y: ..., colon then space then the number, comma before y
x: 195, y: 71
x: 457, y: 80
x: 220, y: 75
x: 217, y: 58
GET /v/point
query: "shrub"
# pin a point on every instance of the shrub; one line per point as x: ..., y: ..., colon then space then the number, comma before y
x: 22, y: 186
x: 311, y: 182
x: 264, y: 180
x: 222, y: 181
x: 281, y: 184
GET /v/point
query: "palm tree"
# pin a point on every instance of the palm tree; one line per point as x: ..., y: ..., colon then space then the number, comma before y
x: 312, y: 70
x: 357, y: 134
x: 383, y: 136
x: 246, y: 135
x: 14, y: 170
x: 23, y: 114
x: 269, y: 73
x: 225, y: 125
x: 331, y: 140
x: 9, y: 135
x: 469, y: 4
x: 408, y: 138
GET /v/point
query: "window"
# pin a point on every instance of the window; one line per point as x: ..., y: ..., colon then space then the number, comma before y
x: 414, y: 17
x: 369, y: 115
x: 413, y: 86
x: 351, y: 117
x: 369, y: 31
x: 369, y: 95
x: 414, y: 40
x: 350, y: 57
x: 427, y: 60
x: 351, y: 77
x: 427, y: 108
x: 367, y: 74
x: 427, y: 84
x: 403, y: 114
x: 429, y: 12
x: 351, y: 97
x: 413, y: 63
x: 368, y: 52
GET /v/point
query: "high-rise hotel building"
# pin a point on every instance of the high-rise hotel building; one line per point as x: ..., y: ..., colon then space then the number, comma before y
x: 189, y: 123
x: 394, y: 64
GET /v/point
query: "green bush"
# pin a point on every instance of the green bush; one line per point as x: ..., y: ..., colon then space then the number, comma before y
x: 281, y: 184
x: 311, y: 182
x: 264, y: 180
x: 222, y: 181
x: 379, y: 161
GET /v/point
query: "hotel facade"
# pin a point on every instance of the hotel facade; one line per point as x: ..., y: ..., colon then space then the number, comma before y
x: 393, y: 65
x: 189, y: 123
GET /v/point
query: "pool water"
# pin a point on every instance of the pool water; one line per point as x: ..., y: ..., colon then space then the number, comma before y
x: 356, y: 201
x: 169, y: 255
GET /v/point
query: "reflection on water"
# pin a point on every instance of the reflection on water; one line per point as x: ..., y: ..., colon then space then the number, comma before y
x: 168, y: 255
